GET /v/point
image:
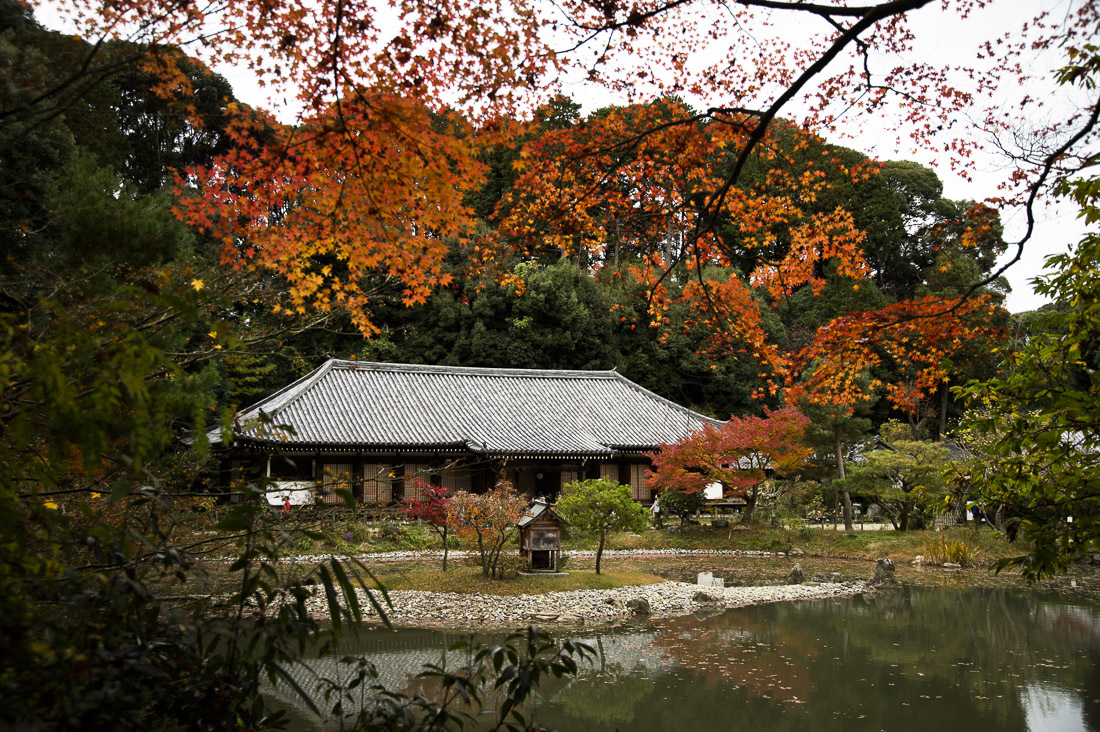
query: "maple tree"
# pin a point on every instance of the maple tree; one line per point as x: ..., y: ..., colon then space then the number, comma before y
x: 740, y: 454
x: 432, y: 508
x: 489, y: 519
x: 372, y: 186
x: 602, y: 190
x: 925, y: 351
x: 369, y: 192
x: 626, y: 190
x: 370, y: 88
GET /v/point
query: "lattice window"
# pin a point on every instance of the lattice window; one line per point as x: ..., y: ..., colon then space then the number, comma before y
x: 336, y: 476
x: 637, y: 482
x: 456, y: 479
x: 609, y: 470
x: 413, y: 471
x: 570, y: 476
x: 377, y: 483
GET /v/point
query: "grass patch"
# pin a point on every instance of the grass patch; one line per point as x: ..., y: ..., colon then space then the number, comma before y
x: 983, y: 546
x: 468, y: 580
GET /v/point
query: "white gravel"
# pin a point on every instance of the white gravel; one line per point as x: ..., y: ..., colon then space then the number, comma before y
x: 579, y: 607
x: 460, y: 553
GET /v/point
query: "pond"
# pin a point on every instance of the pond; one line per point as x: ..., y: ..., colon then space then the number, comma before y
x: 916, y: 659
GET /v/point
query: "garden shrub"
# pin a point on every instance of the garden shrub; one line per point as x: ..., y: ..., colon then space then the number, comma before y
x: 509, y: 566
x: 942, y: 550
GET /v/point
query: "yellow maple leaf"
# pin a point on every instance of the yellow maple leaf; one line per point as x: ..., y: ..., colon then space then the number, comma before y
x: 198, y: 285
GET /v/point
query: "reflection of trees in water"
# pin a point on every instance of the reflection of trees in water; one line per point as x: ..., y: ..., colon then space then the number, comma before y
x: 966, y: 657
x: 982, y: 648
x: 586, y: 695
x: 752, y: 653
x: 908, y: 660
x: 991, y: 643
x: 399, y: 658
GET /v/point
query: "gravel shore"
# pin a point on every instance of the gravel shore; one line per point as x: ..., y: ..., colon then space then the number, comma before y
x: 580, y: 607
x: 461, y: 554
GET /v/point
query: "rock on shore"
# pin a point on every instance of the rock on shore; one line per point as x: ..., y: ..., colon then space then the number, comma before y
x: 579, y: 607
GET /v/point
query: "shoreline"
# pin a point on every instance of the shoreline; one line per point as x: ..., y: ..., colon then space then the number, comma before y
x: 416, y: 554
x: 426, y: 609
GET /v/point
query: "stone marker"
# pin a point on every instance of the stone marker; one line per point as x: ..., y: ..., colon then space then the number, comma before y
x: 707, y: 579
x: 796, y: 576
x: 834, y: 577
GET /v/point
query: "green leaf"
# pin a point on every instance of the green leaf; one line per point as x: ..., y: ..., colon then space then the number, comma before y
x: 333, y: 600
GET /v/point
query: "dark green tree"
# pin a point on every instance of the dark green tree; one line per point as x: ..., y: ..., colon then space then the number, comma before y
x: 897, y: 478
x: 599, y: 507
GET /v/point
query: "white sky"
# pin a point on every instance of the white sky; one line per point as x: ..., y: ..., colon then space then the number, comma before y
x: 946, y: 40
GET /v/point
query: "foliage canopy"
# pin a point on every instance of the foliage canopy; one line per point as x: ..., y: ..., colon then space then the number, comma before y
x: 599, y: 507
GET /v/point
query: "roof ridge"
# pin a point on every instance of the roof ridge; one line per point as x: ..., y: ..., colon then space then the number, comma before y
x: 471, y: 370
x: 290, y: 391
x: 485, y: 410
x: 679, y: 407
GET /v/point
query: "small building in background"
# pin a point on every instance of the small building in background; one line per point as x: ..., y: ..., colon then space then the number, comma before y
x: 540, y: 538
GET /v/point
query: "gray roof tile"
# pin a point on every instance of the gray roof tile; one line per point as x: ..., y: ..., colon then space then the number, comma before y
x: 351, y: 404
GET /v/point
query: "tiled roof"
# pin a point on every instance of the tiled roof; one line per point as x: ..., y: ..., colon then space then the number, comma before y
x: 537, y: 509
x: 506, y: 412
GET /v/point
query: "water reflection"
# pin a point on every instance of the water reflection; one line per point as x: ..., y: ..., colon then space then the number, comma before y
x: 918, y: 659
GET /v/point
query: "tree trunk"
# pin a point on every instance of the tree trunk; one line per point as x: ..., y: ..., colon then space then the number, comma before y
x: 903, y: 516
x: 495, y: 548
x: 444, y: 548
x: 750, y: 504
x: 838, y: 449
x: 484, y: 557
x: 599, y: 551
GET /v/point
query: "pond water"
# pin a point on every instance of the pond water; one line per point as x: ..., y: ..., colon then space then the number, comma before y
x: 918, y: 659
